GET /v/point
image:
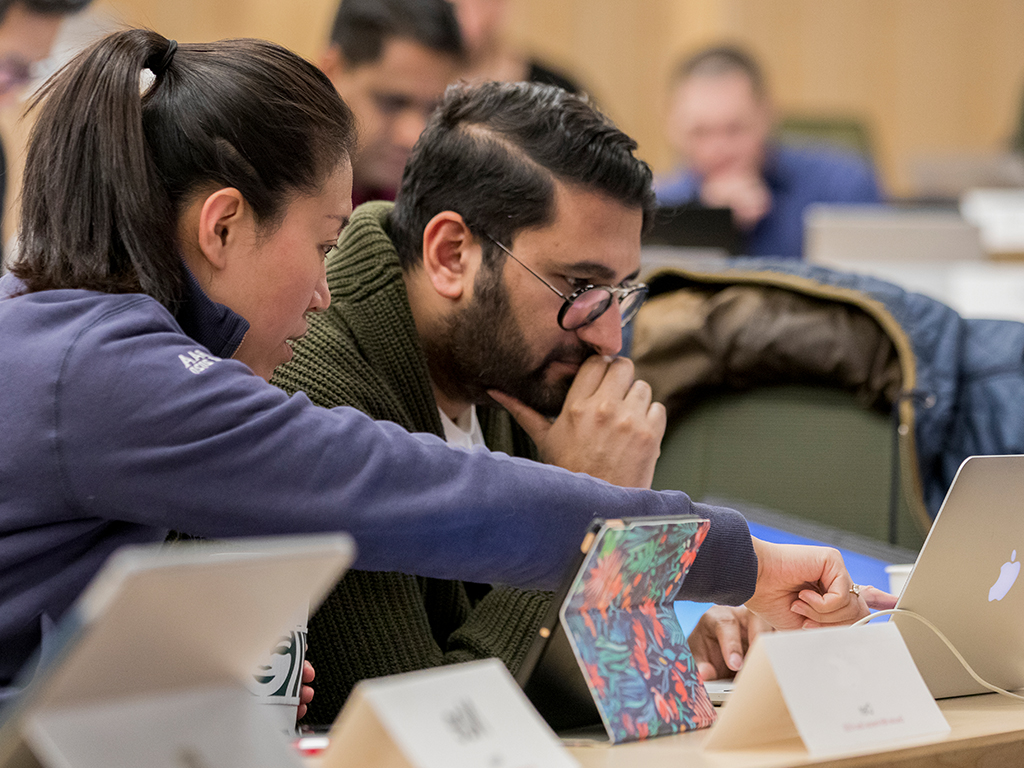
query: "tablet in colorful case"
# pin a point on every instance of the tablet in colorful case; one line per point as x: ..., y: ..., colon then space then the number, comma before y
x: 621, y: 633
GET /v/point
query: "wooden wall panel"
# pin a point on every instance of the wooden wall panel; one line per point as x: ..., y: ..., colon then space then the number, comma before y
x: 926, y: 75
x: 302, y: 26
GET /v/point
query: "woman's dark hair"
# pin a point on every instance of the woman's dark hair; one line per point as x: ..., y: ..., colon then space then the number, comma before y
x: 492, y: 153
x: 111, y: 162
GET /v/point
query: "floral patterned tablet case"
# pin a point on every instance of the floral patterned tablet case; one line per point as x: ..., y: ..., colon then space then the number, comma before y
x: 620, y: 622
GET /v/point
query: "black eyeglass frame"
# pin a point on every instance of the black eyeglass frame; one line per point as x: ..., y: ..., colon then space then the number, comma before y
x: 621, y: 292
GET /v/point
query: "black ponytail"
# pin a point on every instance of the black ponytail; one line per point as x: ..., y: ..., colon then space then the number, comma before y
x: 112, y: 162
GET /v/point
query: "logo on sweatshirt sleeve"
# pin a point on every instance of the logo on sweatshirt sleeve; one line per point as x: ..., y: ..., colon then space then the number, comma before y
x: 197, y: 360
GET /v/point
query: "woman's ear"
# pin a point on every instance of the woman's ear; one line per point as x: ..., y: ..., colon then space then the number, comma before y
x: 451, y: 255
x: 224, y: 218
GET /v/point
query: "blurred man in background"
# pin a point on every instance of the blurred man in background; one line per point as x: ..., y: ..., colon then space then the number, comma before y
x: 391, y: 60
x: 720, y: 123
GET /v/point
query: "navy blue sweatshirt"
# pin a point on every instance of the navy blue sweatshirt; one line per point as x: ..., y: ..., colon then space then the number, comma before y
x: 119, y: 422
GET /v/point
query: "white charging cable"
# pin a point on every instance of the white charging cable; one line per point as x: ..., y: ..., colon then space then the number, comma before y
x: 944, y: 639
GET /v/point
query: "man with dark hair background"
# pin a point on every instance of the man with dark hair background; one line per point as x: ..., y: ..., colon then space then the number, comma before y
x: 27, y: 31
x: 390, y: 60
x: 720, y: 122
x: 503, y: 273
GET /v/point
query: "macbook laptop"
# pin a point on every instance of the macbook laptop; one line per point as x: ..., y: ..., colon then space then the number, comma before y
x: 857, y: 236
x: 950, y: 175
x: 965, y: 581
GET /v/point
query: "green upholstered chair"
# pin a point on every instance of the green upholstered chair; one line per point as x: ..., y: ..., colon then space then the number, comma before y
x: 809, y: 452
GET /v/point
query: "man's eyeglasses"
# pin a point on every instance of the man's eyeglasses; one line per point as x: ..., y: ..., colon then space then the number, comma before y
x: 584, y: 305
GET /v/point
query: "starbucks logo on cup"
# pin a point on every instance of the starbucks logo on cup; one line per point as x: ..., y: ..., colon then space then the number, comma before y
x: 281, y: 677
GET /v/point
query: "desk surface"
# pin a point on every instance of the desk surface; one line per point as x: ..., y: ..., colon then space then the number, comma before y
x: 985, y: 730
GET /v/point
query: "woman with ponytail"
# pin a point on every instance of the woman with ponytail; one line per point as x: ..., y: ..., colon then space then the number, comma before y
x: 178, y: 204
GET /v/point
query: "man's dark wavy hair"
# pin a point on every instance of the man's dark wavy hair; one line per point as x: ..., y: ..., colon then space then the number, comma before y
x: 492, y: 153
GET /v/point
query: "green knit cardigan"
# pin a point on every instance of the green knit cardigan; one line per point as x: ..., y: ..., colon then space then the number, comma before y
x: 364, y: 352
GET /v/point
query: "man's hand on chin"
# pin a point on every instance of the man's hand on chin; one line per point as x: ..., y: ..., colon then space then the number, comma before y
x: 609, y: 427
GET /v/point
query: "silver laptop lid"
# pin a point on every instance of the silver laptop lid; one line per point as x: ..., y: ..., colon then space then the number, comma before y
x: 153, y: 656
x: 965, y: 581
x: 197, y: 613
x: 852, y: 236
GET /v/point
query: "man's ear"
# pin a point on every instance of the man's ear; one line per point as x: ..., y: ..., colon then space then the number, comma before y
x: 451, y: 255
x: 221, y: 220
x: 332, y: 64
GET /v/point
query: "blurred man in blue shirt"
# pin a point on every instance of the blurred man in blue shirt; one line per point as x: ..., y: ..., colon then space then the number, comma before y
x: 720, y: 122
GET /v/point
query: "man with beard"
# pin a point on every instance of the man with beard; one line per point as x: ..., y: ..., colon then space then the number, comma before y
x: 503, y: 273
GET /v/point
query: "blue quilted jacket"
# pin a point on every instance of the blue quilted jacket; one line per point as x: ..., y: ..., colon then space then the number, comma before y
x: 958, y: 383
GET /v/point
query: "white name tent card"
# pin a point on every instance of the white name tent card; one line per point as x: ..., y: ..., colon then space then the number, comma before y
x: 839, y: 690
x: 459, y: 716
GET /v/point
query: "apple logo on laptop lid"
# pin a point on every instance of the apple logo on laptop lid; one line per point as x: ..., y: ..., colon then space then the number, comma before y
x: 1008, y: 573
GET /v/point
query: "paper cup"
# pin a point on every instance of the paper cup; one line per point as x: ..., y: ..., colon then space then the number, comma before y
x: 277, y: 681
x: 898, y: 575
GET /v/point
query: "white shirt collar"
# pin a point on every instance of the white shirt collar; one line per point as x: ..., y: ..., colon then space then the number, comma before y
x: 465, y: 432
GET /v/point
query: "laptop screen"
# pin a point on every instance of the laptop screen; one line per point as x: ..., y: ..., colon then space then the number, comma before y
x: 695, y: 226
